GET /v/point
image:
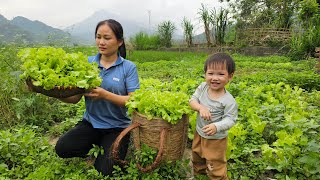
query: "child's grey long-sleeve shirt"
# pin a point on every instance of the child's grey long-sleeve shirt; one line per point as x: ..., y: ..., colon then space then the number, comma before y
x: 224, y: 112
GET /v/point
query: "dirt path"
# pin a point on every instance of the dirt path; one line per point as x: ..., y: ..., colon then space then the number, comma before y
x: 53, y: 140
x: 187, y: 153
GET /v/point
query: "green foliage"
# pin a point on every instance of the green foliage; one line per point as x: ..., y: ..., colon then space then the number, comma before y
x: 154, y: 103
x: 62, y: 127
x: 19, y: 106
x: 50, y: 67
x: 192, y: 125
x: 308, y: 80
x: 143, y: 41
x: 206, y: 18
x: 268, y: 117
x: 9, y: 86
x: 145, y: 156
x: 37, y: 107
x: 165, y: 31
x: 19, y: 151
x: 187, y: 31
x: 153, y: 56
x: 26, y: 155
x: 201, y: 177
x: 230, y: 36
x: 303, y: 45
x: 308, y: 11
x: 265, y: 59
x: 278, y: 14
x: 276, y: 135
x: 86, y: 50
x: 96, y: 150
x: 181, y: 85
x: 167, y: 70
x: 220, y: 22
x: 75, y: 112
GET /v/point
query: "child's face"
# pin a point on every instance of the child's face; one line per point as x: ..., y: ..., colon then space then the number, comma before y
x: 217, y: 77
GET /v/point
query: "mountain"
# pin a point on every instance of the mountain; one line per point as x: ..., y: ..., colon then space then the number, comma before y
x: 84, y: 30
x: 23, y: 30
x: 41, y: 32
x: 10, y: 32
x: 3, y: 19
x: 200, y: 38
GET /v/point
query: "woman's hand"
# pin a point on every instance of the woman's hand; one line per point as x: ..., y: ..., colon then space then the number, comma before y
x: 97, y: 93
x: 209, y: 129
x: 100, y: 93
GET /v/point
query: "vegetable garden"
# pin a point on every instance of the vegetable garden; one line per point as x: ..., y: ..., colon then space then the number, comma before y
x: 277, y: 133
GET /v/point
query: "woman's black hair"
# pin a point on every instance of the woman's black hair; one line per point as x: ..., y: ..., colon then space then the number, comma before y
x: 220, y: 58
x: 117, y: 30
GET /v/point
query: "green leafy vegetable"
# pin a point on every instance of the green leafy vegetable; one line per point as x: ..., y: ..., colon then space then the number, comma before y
x: 170, y: 106
x: 49, y: 67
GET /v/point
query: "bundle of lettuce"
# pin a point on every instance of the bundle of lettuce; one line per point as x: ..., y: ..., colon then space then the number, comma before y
x: 50, y: 67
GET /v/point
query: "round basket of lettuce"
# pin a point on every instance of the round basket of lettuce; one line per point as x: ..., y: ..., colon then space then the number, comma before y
x: 55, y: 73
x: 154, y: 103
x: 159, y: 120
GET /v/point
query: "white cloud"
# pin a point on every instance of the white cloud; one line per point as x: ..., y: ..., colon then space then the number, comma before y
x: 63, y: 13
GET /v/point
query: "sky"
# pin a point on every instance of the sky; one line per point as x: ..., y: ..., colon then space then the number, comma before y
x: 64, y: 13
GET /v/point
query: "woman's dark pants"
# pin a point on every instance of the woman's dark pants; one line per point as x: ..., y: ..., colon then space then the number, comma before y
x: 79, y: 140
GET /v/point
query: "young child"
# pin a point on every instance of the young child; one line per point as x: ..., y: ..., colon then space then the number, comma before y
x: 217, y: 112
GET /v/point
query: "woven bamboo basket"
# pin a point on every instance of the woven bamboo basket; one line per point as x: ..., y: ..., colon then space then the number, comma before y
x: 57, y: 92
x: 169, y: 139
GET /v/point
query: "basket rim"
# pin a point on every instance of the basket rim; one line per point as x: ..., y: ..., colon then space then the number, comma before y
x: 56, y: 92
x: 55, y: 87
x: 153, y: 118
x: 144, y: 116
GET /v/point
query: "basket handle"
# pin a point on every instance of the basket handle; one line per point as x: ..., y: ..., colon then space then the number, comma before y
x: 115, y: 145
x: 115, y: 148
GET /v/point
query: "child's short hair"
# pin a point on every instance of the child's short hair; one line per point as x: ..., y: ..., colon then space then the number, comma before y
x: 220, y: 59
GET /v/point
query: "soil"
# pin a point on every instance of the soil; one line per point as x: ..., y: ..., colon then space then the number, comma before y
x: 53, y: 140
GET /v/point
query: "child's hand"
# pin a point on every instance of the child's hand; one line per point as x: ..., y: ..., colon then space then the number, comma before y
x: 205, y: 113
x: 209, y: 129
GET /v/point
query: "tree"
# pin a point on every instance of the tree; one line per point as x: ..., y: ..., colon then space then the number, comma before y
x: 206, y: 18
x: 165, y: 30
x: 305, y: 41
x: 220, y: 22
x: 188, y: 31
x: 285, y: 12
x: 264, y: 13
x: 308, y: 12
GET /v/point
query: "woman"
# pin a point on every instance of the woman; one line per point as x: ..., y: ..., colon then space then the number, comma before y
x: 105, y: 116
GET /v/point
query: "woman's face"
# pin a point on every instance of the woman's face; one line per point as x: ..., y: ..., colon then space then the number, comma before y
x: 107, y: 41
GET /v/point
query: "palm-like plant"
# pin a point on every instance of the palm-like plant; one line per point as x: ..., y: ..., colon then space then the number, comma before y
x: 206, y: 18
x: 165, y: 30
x: 220, y: 22
x: 188, y: 31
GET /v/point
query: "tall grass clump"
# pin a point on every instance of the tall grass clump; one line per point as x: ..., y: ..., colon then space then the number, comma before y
x: 143, y: 41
